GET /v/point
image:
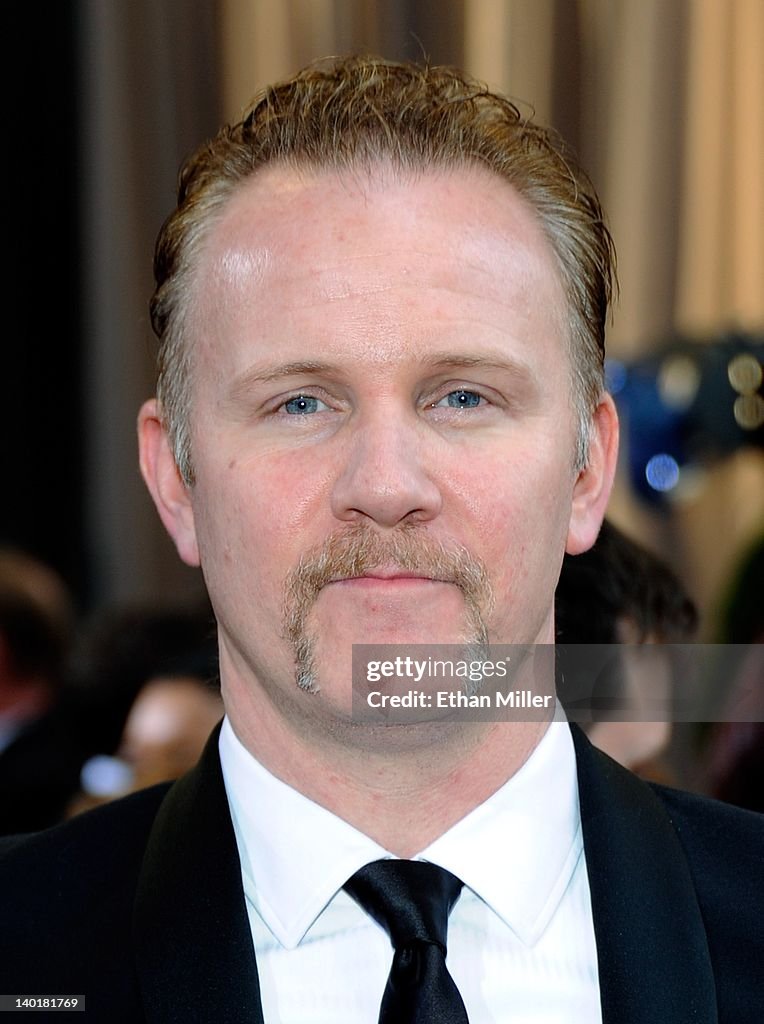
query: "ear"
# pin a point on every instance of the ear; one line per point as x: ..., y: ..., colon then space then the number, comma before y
x: 594, y: 483
x: 160, y: 471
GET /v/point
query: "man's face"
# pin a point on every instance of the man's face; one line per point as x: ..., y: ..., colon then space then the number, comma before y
x: 382, y: 428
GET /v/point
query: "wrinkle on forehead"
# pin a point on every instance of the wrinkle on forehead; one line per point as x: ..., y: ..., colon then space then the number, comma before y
x: 239, y: 273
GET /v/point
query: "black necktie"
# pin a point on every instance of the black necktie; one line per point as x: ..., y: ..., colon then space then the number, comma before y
x: 412, y: 901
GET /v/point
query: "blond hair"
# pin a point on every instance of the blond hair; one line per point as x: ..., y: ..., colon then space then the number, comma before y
x: 357, y: 112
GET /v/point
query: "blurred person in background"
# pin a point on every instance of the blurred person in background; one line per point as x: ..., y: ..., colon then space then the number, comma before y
x: 120, y: 649
x: 619, y: 593
x: 167, y: 728
x: 150, y: 680
x: 41, y: 745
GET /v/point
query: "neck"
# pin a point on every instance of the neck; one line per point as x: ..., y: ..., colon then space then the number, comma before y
x: 401, y: 786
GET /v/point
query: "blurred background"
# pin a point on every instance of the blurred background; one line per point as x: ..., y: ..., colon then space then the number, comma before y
x: 662, y: 99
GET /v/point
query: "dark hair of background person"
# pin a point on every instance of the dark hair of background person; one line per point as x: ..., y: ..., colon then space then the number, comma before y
x: 153, y: 686
x: 121, y: 649
x: 40, y: 752
x: 36, y: 617
x: 618, y: 580
x: 619, y: 593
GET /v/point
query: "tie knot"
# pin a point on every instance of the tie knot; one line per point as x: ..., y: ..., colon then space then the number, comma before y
x: 409, y: 898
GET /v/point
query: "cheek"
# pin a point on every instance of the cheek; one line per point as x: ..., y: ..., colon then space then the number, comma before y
x: 258, y: 513
x: 511, y: 490
x: 517, y: 509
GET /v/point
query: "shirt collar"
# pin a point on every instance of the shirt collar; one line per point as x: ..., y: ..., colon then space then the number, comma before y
x: 516, y: 851
x: 295, y: 855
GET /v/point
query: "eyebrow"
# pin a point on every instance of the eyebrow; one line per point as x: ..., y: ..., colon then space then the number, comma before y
x: 447, y: 360
x: 266, y: 375
x: 437, y: 361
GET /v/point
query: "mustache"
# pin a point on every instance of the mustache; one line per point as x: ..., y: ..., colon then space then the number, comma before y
x: 355, y: 551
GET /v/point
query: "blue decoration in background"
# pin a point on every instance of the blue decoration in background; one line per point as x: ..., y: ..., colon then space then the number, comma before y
x: 662, y: 472
x: 678, y: 410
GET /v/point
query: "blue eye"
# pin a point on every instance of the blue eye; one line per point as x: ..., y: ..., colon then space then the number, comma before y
x: 302, y: 405
x: 460, y: 399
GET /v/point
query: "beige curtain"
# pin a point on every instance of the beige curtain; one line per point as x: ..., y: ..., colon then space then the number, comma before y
x: 721, y: 265
x: 264, y: 40
x: 669, y: 98
x: 664, y: 100
x: 148, y: 74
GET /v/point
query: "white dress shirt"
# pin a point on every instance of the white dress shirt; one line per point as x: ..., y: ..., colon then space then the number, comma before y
x: 520, y: 937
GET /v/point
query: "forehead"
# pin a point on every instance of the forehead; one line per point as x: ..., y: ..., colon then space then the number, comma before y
x: 379, y: 244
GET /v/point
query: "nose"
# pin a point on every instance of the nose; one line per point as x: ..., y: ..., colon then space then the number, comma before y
x: 386, y: 476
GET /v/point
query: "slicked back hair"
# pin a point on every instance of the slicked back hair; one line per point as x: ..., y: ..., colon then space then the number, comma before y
x: 358, y: 112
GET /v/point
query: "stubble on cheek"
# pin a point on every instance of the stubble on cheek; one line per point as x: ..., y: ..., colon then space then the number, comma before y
x: 357, y: 550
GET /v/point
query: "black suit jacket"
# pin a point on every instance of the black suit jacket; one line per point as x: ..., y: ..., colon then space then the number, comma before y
x: 139, y: 905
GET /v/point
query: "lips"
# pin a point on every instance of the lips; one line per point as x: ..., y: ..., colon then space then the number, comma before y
x: 392, y: 574
x: 381, y: 577
x: 387, y: 574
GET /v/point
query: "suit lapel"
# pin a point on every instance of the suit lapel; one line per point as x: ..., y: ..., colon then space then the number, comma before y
x: 654, y: 963
x: 193, y: 943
